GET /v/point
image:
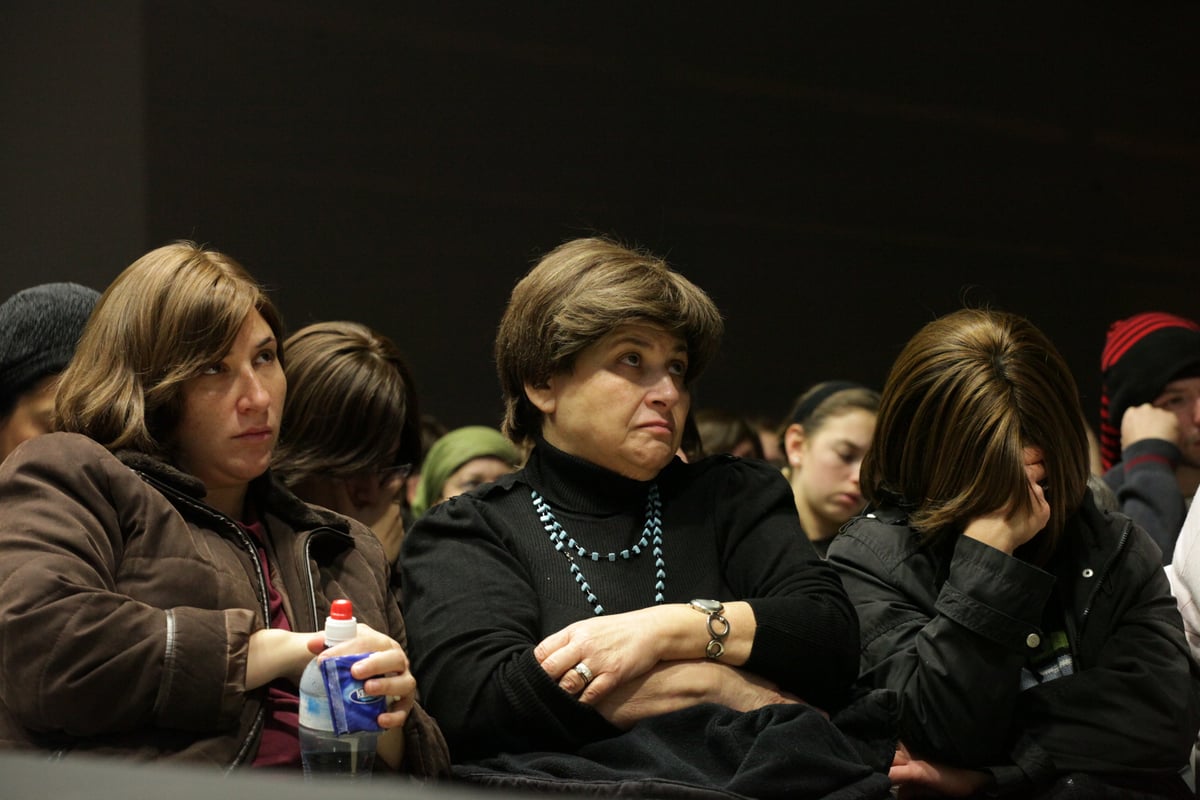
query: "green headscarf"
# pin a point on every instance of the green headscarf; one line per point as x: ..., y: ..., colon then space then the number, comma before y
x: 452, y: 451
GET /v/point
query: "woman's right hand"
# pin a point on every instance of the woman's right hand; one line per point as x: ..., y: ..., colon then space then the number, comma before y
x: 276, y: 653
x: 616, y: 647
x: 1011, y: 526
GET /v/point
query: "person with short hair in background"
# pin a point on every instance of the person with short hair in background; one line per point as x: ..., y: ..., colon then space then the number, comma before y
x: 724, y: 431
x: 346, y: 438
x: 39, y: 328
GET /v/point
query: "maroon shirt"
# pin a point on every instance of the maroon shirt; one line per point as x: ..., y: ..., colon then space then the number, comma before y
x: 280, y: 743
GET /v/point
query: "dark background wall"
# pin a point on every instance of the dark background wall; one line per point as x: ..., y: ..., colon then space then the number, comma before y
x: 833, y: 175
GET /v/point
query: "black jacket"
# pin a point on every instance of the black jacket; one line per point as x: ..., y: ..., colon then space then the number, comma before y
x: 947, y: 624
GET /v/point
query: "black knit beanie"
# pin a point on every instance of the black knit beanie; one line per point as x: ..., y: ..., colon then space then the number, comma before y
x: 39, y: 328
x: 1142, y: 354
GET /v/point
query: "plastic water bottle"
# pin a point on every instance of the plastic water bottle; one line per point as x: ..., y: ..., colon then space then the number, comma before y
x: 322, y: 750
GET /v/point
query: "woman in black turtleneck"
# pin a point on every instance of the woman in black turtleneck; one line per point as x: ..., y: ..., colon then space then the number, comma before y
x: 593, y: 615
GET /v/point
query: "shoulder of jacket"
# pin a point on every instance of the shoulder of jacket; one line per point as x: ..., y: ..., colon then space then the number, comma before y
x: 73, y: 456
x: 891, y: 540
x: 475, y: 503
x: 501, y: 486
x: 60, y: 442
x: 1136, y: 545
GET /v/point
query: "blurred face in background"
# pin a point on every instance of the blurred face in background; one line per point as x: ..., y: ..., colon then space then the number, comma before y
x: 1182, y: 398
x: 475, y: 472
x: 32, y: 415
x: 825, y: 470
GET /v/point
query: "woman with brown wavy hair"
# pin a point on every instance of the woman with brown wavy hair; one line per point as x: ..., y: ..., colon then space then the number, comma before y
x: 146, y: 545
x: 1031, y: 637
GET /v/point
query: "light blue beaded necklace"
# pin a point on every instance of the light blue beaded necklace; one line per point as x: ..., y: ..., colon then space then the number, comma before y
x: 651, y: 539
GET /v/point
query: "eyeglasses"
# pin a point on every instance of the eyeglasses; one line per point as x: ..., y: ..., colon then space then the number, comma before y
x: 401, y: 471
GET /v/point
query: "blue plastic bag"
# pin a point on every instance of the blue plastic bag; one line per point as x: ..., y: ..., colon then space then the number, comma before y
x: 352, y: 708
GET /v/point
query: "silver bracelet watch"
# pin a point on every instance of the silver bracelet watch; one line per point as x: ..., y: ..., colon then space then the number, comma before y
x: 718, y: 626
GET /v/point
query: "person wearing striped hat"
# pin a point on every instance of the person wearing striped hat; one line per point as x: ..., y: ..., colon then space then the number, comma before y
x: 1150, y: 420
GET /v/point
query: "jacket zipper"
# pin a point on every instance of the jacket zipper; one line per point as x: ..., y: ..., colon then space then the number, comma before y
x: 1100, y: 578
x: 263, y: 599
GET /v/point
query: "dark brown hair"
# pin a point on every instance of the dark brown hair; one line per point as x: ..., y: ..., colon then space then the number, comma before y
x: 968, y: 392
x: 577, y: 294
x: 347, y: 403
x: 721, y: 431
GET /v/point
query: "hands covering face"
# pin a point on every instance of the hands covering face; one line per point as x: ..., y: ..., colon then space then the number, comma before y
x: 1011, y: 526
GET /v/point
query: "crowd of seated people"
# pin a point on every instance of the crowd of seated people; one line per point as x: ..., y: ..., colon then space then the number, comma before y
x: 925, y: 590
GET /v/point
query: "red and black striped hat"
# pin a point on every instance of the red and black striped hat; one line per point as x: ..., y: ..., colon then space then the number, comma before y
x: 1142, y: 354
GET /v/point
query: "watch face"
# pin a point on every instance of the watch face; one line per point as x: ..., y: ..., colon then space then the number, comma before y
x: 708, y: 606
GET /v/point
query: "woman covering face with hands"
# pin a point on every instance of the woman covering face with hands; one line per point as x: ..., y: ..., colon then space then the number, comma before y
x: 608, y: 592
x: 1031, y: 637
x: 148, y: 547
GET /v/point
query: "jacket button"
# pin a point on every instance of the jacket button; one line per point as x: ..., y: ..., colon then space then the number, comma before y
x: 1087, y: 572
x: 1033, y: 640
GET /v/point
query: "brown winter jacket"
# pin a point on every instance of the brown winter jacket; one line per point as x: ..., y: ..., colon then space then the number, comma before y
x: 127, y: 604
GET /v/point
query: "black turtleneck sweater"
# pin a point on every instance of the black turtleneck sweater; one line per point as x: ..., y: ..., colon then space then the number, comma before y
x: 483, y: 585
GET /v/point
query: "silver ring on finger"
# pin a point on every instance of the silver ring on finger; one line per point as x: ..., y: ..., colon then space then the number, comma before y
x: 585, y: 672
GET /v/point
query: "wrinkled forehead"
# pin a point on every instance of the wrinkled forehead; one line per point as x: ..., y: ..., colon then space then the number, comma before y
x: 646, y: 334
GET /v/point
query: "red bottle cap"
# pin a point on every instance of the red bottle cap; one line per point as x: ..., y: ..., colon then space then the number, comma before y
x: 341, y: 609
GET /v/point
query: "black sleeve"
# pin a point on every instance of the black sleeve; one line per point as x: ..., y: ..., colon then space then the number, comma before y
x: 473, y: 621
x: 807, y: 632
x: 953, y: 656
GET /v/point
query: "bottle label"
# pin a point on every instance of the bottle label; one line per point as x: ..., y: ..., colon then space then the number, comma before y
x: 350, y: 707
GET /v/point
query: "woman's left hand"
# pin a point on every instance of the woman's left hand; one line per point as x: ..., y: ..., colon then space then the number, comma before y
x: 672, y: 685
x: 383, y: 672
x: 614, y: 648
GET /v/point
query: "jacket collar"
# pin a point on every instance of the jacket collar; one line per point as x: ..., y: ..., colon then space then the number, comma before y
x: 267, y: 491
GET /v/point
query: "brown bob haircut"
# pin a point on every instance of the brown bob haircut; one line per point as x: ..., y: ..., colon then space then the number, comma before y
x: 967, y: 393
x: 166, y: 317
x: 347, y: 403
x: 576, y: 295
